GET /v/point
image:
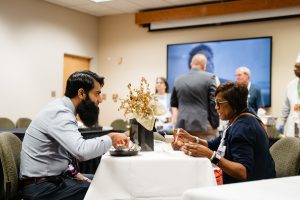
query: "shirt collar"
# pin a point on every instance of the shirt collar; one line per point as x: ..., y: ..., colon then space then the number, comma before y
x: 67, y: 101
x: 195, y: 69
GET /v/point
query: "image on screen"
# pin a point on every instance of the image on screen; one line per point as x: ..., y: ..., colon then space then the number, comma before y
x: 223, y: 58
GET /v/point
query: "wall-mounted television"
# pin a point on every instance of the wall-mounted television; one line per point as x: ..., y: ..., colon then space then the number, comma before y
x: 224, y: 57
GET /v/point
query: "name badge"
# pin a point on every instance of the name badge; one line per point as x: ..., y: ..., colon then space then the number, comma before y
x: 221, y: 150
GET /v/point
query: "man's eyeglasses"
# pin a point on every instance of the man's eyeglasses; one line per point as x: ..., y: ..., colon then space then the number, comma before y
x: 218, y: 103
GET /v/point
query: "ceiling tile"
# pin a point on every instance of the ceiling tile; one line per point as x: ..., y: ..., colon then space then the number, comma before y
x: 146, y: 4
x: 122, y: 6
x: 68, y: 3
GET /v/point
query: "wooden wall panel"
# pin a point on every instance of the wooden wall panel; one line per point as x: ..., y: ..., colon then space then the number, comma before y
x: 213, y: 9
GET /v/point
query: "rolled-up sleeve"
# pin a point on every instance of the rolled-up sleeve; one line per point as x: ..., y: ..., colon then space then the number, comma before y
x: 65, y: 132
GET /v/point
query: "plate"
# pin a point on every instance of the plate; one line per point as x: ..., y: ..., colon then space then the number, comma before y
x: 123, y: 153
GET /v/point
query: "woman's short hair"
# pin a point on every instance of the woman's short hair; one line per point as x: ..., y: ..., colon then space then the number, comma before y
x: 235, y: 93
x: 82, y: 79
x: 165, y: 82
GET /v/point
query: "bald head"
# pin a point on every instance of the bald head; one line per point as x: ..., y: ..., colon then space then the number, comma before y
x: 199, y: 61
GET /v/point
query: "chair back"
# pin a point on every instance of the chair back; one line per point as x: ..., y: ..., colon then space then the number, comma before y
x: 6, y: 123
x: 286, y: 155
x: 10, y: 148
x: 119, y: 124
x: 23, y: 122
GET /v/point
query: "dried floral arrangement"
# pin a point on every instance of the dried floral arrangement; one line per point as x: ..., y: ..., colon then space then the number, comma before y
x: 142, y: 105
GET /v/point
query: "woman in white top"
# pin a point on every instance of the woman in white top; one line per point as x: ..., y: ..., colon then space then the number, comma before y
x: 161, y: 91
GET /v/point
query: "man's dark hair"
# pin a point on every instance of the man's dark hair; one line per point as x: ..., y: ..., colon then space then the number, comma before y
x: 82, y: 79
x: 209, y: 54
x: 235, y: 93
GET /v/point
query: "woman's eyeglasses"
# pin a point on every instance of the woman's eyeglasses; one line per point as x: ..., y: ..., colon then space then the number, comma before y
x: 218, y: 103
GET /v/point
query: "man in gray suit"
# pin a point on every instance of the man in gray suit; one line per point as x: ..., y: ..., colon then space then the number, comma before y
x: 193, y: 101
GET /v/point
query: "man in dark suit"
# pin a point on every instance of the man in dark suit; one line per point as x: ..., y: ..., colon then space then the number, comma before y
x: 193, y: 101
x: 255, y: 100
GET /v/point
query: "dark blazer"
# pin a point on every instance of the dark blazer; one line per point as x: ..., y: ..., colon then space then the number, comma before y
x: 194, y: 96
x: 255, y: 99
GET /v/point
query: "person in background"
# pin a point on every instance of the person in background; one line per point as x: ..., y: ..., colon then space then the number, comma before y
x: 242, y: 150
x: 193, y: 101
x: 255, y: 100
x: 209, y: 54
x: 164, y: 97
x: 291, y: 105
x: 52, y: 143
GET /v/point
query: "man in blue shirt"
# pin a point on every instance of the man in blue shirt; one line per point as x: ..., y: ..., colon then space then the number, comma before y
x: 52, y: 141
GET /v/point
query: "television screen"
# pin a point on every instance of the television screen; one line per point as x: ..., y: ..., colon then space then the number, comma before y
x: 223, y: 58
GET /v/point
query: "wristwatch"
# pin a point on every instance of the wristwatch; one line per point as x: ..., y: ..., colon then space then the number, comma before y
x: 215, y: 159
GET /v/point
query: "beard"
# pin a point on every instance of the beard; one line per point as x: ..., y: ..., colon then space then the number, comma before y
x: 88, y: 112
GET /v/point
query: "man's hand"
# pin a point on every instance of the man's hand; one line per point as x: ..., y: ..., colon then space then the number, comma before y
x: 80, y: 177
x: 119, y: 140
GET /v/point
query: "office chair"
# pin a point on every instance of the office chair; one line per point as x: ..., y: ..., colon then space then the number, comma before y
x: 10, y: 148
x: 286, y: 155
x: 6, y: 123
x: 119, y: 124
x: 23, y: 122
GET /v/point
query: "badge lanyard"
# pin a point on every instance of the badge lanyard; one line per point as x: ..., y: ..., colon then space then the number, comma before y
x: 222, y: 148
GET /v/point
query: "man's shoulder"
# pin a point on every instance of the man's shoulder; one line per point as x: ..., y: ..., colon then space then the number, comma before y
x: 195, y: 75
x: 56, y: 106
x: 254, y: 88
x: 181, y: 77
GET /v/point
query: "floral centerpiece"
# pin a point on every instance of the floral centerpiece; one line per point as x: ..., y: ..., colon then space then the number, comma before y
x: 142, y: 105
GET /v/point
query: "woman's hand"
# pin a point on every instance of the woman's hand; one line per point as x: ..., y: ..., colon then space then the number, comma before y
x: 177, y: 144
x: 182, y: 135
x: 197, y: 150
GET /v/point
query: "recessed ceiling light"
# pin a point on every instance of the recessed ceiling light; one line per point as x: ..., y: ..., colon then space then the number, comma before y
x: 99, y: 1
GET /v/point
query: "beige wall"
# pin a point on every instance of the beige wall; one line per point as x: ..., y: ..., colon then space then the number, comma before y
x: 34, y: 35
x: 143, y: 53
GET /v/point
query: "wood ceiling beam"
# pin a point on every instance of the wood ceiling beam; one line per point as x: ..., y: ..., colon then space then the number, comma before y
x: 213, y: 9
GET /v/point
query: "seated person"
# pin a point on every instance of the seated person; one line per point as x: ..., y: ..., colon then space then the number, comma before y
x: 52, y: 143
x: 242, y: 150
x: 163, y: 96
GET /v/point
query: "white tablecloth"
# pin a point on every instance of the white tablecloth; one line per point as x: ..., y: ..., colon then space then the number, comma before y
x: 274, y: 189
x: 160, y: 175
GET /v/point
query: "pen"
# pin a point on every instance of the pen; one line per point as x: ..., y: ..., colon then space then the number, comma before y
x: 176, y: 137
